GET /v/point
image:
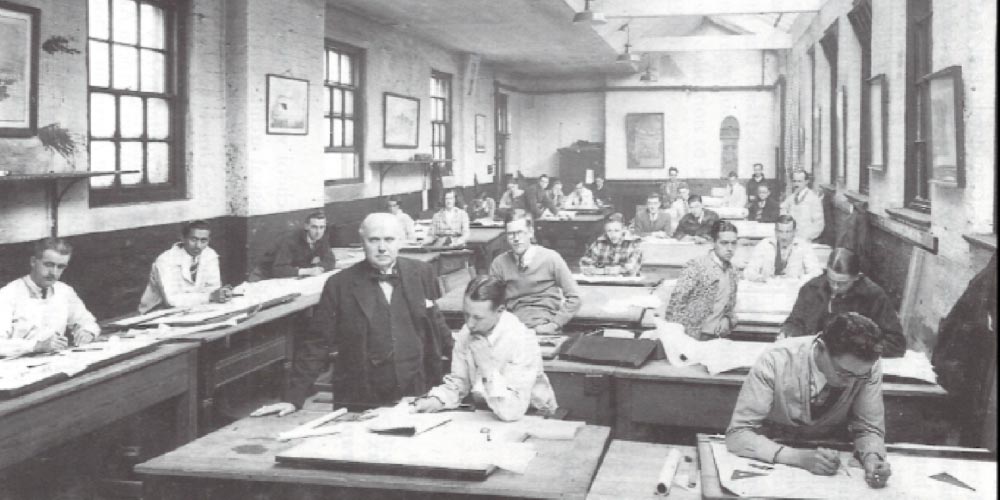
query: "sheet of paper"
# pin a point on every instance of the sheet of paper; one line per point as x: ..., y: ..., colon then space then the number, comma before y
x: 26, y: 370
x: 722, y: 355
x: 681, y: 349
x: 913, y: 365
x: 589, y: 278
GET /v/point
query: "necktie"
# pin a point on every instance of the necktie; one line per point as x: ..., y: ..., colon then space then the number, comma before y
x: 521, y: 264
x: 45, y: 293
x: 194, y: 270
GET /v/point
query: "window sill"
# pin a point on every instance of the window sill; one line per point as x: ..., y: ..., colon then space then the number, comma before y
x: 908, y: 225
x: 343, y: 182
x: 987, y: 242
x: 859, y: 199
x: 912, y: 218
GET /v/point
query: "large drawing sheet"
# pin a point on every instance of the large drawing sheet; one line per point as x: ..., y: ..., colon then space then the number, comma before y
x: 911, y: 478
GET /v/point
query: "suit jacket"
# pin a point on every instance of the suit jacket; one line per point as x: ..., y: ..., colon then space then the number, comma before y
x: 689, y: 225
x: 770, y: 212
x: 537, y: 200
x: 752, y: 185
x: 291, y: 254
x: 341, y: 323
x: 642, y: 226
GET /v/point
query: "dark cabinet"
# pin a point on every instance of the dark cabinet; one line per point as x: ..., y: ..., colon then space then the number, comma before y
x: 575, y: 160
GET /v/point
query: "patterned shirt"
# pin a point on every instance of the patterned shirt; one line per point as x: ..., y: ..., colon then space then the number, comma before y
x: 696, y: 294
x: 449, y: 223
x: 603, y: 254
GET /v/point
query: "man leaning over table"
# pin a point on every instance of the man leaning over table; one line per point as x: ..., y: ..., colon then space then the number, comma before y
x: 496, y: 359
x: 783, y: 256
x: 541, y: 290
x: 187, y: 274
x: 614, y: 253
x: 816, y: 387
x: 39, y: 313
x: 381, y: 318
x: 302, y: 252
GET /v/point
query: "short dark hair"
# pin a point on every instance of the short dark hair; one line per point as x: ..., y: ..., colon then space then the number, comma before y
x: 190, y: 227
x: 785, y: 219
x: 852, y: 333
x: 391, y: 199
x: 763, y: 185
x: 733, y: 174
x: 721, y: 226
x: 693, y: 198
x: 800, y: 171
x: 844, y: 261
x: 755, y: 165
x: 512, y: 216
x: 654, y: 194
x: 317, y: 215
x: 61, y: 246
x: 543, y: 176
x: 673, y: 169
x: 615, y: 217
x: 486, y: 287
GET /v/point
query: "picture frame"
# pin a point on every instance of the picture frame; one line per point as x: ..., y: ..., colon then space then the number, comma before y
x: 644, y: 140
x: 400, y: 121
x: 480, y: 133
x: 946, y: 138
x: 287, y: 105
x: 19, y: 37
x: 878, y: 138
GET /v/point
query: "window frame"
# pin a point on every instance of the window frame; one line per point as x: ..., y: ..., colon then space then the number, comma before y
x: 357, y: 55
x: 919, y: 28
x: 861, y: 21
x: 447, y: 123
x: 175, y: 93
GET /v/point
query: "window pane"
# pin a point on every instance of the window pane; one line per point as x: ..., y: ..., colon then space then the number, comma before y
x: 326, y: 100
x: 326, y: 132
x: 152, y: 32
x: 153, y: 74
x: 332, y: 65
x: 349, y: 133
x: 102, y: 115
x: 125, y: 22
x: 126, y: 66
x: 131, y: 118
x: 131, y: 159
x: 348, y: 103
x: 338, y: 101
x: 338, y: 133
x: 97, y: 20
x: 346, y: 69
x: 157, y: 162
x: 102, y: 159
x: 100, y: 64
x: 157, y: 119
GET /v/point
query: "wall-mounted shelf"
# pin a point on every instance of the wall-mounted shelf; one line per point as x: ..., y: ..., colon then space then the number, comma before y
x: 51, y: 181
x: 384, y: 166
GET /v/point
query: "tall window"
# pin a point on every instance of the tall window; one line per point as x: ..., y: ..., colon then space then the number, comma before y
x: 829, y: 45
x: 918, y: 65
x: 861, y: 20
x: 343, y: 112
x: 134, y: 90
x: 440, y: 115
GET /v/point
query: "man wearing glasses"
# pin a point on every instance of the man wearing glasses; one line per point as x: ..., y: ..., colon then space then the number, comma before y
x: 844, y: 289
x: 807, y: 388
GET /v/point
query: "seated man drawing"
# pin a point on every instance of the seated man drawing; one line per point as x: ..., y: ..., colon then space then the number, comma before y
x: 450, y: 225
x: 816, y: 387
x: 783, y: 256
x: 697, y: 224
x: 302, y: 252
x: 187, y: 274
x: 541, y: 290
x: 39, y: 313
x: 614, y: 253
x: 496, y: 360
x: 409, y: 227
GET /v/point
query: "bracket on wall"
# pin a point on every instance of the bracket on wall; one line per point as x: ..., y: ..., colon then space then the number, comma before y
x: 385, y: 166
x: 53, y: 193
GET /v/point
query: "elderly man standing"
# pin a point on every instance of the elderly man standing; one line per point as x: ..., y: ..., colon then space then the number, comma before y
x: 39, y: 313
x: 541, y: 290
x: 381, y: 318
x: 783, y: 256
x: 805, y: 207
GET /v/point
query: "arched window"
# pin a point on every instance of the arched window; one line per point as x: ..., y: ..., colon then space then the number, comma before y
x: 729, y: 136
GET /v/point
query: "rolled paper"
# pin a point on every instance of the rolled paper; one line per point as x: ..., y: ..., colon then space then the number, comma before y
x: 666, y: 477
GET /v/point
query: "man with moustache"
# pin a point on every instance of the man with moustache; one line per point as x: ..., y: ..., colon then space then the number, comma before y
x: 379, y: 315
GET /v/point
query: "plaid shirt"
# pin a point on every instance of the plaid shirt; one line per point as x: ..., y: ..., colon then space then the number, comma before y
x: 602, y: 253
x: 452, y: 222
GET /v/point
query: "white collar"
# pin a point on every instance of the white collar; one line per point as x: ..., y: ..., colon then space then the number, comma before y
x: 34, y: 290
x: 817, y: 380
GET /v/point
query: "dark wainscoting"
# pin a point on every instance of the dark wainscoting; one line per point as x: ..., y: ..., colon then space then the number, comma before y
x: 626, y: 195
x: 890, y: 264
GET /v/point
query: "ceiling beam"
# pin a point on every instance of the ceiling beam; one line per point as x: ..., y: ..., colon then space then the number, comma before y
x: 662, y: 8
x: 774, y: 41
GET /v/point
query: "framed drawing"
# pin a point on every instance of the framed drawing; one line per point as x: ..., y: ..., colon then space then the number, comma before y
x: 400, y: 121
x: 878, y: 101
x: 947, y: 133
x: 287, y: 105
x: 480, y: 133
x: 644, y: 140
x: 19, y: 27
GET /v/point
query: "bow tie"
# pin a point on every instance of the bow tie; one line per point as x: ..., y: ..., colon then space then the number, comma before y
x: 391, y: 278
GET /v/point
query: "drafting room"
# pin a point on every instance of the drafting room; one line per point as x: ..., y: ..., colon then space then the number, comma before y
x: 574, y: 249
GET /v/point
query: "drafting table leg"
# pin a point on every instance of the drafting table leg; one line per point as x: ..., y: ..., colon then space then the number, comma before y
x: 186, y: 406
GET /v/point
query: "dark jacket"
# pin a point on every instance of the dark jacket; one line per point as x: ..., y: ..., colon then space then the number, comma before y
x: 292, y: 253
x: 340, y: 325
x: 965, y: 355
x: 815, y: 305
x: 689, y: 225
x: 769, y: 213
x: 537, y: 200
x: 752, y: 185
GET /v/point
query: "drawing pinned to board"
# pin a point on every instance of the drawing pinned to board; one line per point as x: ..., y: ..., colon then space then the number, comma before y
x: 287, y: 105
x: 644, y: 140
x: 401, y: 121
x: 18, y: 70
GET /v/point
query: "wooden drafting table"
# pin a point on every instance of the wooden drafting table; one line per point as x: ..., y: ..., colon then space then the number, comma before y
x: 487, y: 243
x: 35, y: 422
x: 665, y: 257
x: 629, y: 472
x: 238, y: 461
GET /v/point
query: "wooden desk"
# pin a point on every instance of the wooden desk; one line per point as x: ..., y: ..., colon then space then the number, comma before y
x: 688, y: 396
x: 40, y: 420
x: 569, y: 237
x: 584, y: 390
x: 487, y: 243
x: 630, y: 469
x: 237, y: 461
x: 664, y: 258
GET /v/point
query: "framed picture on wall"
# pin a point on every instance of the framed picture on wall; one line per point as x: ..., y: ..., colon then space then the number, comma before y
x: 878, y: 100
x: 287, y: 105
x: 947, y: 133
x: 480, y: 133
x: 644, y: 140
x: 400, y: 121
x: 18, y: 70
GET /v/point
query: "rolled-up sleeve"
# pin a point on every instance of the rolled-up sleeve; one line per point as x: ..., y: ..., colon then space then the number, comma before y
x: 866, y: 420
x: 743, y: 436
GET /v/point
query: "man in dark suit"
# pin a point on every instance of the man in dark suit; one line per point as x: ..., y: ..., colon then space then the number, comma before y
x: 302, y: 252
x: 653, y: 221
x: 379, y: 316
x: 696, y: 225
x: 756, y: 181
x: 767, y: 210
x: 537, y: 198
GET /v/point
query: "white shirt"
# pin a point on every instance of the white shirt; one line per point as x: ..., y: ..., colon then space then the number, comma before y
x: 807, y: 210
x: 170, y: 282
x: 736, y: 196
x: 580, y: 199
x: 26, y: 318
x: 517, y: 382
x: 800, y: 263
